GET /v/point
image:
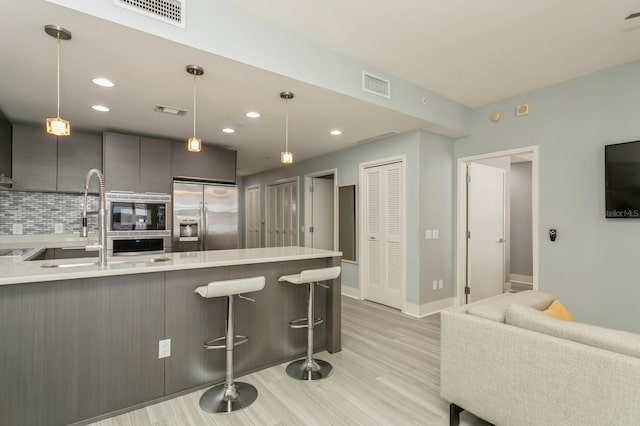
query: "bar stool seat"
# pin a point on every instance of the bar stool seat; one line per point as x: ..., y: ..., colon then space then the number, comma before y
x: 310, y: 368
x: 230, y: 396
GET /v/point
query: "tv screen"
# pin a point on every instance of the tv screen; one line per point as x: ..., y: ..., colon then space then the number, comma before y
x: 622, y: 180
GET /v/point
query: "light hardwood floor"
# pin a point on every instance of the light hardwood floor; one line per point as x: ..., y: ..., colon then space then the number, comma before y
x: 387, y: 373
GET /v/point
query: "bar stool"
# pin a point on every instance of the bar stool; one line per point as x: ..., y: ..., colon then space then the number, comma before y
x: 230, y: 396
x: 310, y: 368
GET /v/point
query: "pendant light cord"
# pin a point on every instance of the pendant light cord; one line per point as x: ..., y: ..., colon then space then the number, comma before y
x: 286, y: 133
x: 194, y: 106
x: 58, y: 76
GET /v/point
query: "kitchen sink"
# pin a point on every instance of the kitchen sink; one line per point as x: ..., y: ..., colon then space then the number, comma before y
x: 109, y: 262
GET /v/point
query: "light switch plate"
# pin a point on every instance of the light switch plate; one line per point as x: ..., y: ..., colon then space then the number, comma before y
x: 436, y: 234
x: 17, y: 228
x: 428, y: 234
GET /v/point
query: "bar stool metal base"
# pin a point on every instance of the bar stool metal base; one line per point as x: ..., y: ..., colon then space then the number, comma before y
x: 220, y: 400
x: 316, y: 369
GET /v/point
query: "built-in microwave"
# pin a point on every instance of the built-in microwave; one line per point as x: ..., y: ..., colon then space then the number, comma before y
x: 136, y: 217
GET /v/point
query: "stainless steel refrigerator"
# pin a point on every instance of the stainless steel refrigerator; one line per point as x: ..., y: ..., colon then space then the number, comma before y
x: 205, y: 216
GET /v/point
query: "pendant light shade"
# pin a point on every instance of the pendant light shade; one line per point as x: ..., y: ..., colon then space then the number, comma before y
x: 56, y: 125
x: 194, y: 144
x: 286, y: 156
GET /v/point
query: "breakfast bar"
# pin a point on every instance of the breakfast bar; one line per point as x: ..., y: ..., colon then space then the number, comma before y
x: 79, y: 341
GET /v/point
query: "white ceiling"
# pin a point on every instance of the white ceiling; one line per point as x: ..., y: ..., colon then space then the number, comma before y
x: 473, y: 52
x: 462, y: 50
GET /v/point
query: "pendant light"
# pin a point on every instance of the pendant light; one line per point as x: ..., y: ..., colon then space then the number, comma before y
x: 58, y: 126
x: 194, y: 144
x: 286, y: 156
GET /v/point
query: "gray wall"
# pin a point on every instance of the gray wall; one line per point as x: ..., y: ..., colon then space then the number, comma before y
x: 428, y: 170
x: 593, y: 266
x: 520, y: 231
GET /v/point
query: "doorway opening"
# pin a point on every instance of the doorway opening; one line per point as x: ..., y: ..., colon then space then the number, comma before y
x: 497, y: 223
x: 320, y: 210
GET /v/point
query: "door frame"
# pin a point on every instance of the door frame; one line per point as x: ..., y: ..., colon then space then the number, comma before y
x: 461, y: 212
x: 295, y: 179
x: 308, y: 179
x: 363, y: 264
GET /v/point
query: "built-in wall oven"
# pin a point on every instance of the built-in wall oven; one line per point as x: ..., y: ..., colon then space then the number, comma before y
x: 138, y: 223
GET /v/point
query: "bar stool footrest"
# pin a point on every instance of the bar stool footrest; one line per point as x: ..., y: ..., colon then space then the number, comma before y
x: 302, y: 322
x: 211, y: 343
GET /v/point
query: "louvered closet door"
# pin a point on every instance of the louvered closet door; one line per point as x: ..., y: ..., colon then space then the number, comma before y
x: 282, y: 215
x: 383, y: 215
x: 252, y: 217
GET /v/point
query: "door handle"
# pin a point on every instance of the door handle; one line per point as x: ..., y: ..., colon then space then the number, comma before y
x: 201, y: 225
x: 204, y: 216
x: 502, y: 240
x: 372, y: 238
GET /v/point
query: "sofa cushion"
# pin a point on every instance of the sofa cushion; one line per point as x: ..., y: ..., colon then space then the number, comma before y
x: 558, y: 311
x: 621, y: 342
x: 495, y: 308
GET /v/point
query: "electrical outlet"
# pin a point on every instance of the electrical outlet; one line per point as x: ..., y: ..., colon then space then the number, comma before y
x: 440, y: 283
x: 17, y: 228
x: 58, y: 228
x: 435, y: 234
x: 164, y: 348
x: 435, y: 284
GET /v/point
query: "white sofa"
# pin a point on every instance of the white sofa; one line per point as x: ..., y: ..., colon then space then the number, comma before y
x: 508, y: 363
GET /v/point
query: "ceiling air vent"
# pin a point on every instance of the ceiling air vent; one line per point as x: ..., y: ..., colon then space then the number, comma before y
x: 376, y: 85
x: 169, y: 11
x: 170, y: 110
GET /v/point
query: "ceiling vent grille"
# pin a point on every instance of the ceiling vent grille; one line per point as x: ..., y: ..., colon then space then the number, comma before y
x: 169, y: 11
x: 376, y: 85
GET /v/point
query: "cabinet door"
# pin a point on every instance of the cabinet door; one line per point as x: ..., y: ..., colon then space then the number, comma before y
x: 34, y: 159
x: 214, y: 164
x: 77, y: 154
x: 155, y: 165
x: 121, y: 162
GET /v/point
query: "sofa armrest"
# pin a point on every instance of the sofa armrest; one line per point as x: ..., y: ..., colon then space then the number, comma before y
x: 512, y: 376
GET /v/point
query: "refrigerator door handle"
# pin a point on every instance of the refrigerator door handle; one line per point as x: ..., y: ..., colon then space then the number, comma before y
x: 205, y: 230
x: 200, y: 231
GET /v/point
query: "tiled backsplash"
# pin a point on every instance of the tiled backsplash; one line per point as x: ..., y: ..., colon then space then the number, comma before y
x: 38, y: 212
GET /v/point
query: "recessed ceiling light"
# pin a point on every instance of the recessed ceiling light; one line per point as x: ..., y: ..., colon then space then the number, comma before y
x: 100, y: 81
x: 336, y: 132
x: 228, y: 130
x: 100, y: 108
x: 253, y: 114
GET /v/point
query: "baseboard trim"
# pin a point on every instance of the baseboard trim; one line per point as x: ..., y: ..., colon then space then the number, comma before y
x: 430, y: 308
x: 351, y: 292
x: 521, y: 279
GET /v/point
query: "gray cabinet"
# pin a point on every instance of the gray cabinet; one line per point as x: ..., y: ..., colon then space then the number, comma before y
x: 212, y: 163
x: 43, y: 162
x: 34, y: 158
x: 138, y: 164
x: 121, y: 162
x: 155, y: 165
x: 77, y: 154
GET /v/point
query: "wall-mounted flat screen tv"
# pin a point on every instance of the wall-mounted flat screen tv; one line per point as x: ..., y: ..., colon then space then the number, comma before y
x: 622, y: 180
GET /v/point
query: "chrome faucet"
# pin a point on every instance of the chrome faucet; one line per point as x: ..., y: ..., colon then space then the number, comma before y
x: 101, y: 247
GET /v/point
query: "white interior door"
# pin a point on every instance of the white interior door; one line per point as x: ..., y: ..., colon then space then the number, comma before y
x: 282, y: 214
x: 252, y: 216
x: 486, y: 230
x: 383, y: 214
x: 321, y: 230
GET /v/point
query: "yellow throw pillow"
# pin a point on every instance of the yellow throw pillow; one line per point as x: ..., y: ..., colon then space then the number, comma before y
x: 558, y: 311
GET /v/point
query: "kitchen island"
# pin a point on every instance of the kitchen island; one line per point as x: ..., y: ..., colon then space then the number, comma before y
x: 81, y: 342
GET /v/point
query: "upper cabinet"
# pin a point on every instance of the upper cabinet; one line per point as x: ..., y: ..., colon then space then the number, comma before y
x: 77, y: 154
x: 34, y: 159
x: 211, y: 164
x: 43, y: 162
x: 138, y: 164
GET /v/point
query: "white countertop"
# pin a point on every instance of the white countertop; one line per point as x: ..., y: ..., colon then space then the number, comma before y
x: 16, y: 272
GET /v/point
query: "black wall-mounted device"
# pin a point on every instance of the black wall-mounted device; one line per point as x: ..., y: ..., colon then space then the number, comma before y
x: 553, y: 234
